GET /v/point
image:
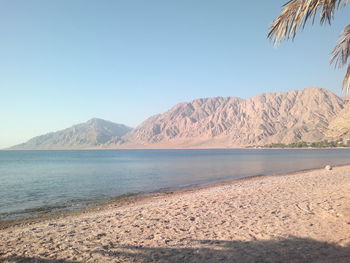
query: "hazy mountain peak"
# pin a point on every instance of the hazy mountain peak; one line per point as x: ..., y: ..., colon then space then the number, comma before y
x: 94, y: 120
x: 97, y: 121
x: 93, y: 133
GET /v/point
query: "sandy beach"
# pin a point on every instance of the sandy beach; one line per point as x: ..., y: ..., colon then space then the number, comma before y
x: 300, y: 217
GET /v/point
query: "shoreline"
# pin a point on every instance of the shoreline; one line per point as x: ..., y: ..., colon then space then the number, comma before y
x: 295, y: 217
x: 134, y: 198
x: 176, y: 148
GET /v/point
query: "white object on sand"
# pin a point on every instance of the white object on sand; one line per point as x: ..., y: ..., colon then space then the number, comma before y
x: 328, y: 167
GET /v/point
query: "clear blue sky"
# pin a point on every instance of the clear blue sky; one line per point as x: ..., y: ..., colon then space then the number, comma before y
x: 63, y: 62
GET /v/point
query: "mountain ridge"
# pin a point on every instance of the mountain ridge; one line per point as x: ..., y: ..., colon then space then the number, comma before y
x: 311, y: 114
x: 235, y: 122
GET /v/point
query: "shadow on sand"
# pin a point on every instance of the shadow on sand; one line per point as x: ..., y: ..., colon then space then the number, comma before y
x: 284, y: 250
x: 34, y: 260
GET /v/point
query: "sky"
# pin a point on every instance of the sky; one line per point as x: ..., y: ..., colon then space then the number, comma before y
x: 64, y: 62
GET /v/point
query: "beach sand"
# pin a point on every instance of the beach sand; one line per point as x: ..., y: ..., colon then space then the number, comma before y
x: 301, y: 217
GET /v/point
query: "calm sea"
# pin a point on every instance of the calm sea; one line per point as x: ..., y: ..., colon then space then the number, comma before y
x: 33, y: 183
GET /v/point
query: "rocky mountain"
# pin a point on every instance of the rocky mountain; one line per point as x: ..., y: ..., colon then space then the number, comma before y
x: 91, y: 134
x: 311, y: 115
x: 339, y: 127
x: 297, y: 115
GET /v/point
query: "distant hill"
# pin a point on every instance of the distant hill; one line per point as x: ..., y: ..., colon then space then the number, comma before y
x: 285, y: 117
x: 91, y: 134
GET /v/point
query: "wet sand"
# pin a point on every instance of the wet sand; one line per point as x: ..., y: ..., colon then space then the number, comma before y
x: 300, y: 217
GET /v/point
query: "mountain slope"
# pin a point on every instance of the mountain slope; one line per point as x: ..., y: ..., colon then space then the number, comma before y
x: 93, y: 133
x: 233, y: 122
x: 339, y: 127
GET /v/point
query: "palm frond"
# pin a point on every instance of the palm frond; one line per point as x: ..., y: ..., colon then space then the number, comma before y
x: 295, y: 14
x: 346, y: 81
x: 340, y: 56
x: 341, y: 52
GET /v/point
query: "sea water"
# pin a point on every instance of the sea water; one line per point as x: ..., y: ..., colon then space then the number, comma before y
x: 33, y: 183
